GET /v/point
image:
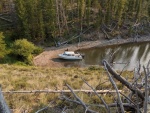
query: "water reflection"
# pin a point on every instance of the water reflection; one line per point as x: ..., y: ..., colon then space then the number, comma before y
x: 128, y: 53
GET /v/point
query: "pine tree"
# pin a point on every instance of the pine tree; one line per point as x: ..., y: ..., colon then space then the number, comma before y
x: 3, y: 50
x: 88, y: 11
x: 22, y: 15
x: 120, y: 11
x: 81, y: 12
x: 108, y: 12
x: 138, y: 9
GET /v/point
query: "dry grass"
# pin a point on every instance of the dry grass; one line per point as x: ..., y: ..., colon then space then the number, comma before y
x: 14, y: 78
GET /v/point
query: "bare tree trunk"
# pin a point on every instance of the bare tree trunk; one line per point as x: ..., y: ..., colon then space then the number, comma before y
x: 115, y: 86
x: 3, y: 106
x: 146, y: 91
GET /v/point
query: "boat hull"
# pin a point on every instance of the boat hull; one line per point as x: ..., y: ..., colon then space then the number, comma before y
x: 70, y: 57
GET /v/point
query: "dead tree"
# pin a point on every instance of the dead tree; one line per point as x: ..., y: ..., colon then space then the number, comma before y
x: 123, y: 80
x: 3, y: 106
x: 115, y: 86
x: 140, y: 95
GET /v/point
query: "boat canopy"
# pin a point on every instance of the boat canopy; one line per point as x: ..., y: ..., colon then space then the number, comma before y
x: 69, y: 52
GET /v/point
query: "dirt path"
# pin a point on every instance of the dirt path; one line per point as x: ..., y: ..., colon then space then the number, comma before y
x: 49, y: 56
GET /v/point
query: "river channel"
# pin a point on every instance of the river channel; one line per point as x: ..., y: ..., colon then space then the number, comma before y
x: 126, y: 55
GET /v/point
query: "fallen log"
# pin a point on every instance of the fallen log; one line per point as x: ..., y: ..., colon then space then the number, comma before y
x: 61, y: 91
x: 134, y: 89
x: 6, y: 19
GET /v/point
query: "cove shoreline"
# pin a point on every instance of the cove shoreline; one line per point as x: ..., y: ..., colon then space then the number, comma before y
x: 49, y: 57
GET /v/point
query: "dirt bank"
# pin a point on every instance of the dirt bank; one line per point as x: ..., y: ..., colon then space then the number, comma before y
x: 49, y: 56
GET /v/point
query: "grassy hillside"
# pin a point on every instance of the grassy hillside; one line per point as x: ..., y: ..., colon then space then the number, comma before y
x: 14, y: 78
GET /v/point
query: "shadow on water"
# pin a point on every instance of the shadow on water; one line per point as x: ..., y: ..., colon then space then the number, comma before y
x: 70, y: 63
x: 126, y: 53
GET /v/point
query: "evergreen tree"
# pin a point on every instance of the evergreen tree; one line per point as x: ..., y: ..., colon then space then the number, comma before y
x: 88, y: 11
x: 108, y: 12
x: 81, y: 12
x: 23, y: 18
x: 120, y: 11
x: 3, y: 50
x: 40, y: 20
x: 149, y: 10
x: 138, y: 9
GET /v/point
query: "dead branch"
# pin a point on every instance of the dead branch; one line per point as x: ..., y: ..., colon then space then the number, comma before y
x: 111, y: 56
x: 123, y: 81
x: 42, y: 109
x: 137, y: 101
x: 125, y: 105
x: 6, y: 19
x: 136, y: 79
x: 115, y: 86
x: 146, y: 91
x: 106, y: 27
x: 148, y: 65
x: 105, y: 33
x: 105, y: 104
x: 128, y: 98
x: 124, y: 68
x: 82, y: 103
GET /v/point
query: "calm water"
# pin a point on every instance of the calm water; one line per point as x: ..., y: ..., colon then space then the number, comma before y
x: 127, y: 53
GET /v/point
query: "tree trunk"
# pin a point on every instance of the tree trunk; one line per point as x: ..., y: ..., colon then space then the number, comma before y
x: 3, y: 106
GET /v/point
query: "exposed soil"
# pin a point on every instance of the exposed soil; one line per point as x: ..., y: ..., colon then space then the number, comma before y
x: 50, y: 54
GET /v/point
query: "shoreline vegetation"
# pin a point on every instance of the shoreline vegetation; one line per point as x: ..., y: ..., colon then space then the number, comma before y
x: 50, y: 53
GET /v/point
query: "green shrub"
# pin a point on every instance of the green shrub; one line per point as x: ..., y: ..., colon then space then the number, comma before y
x: 38, y: 50
x: 23, y: 49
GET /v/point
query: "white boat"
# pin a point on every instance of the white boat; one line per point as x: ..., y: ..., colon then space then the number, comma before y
x: 70, y: 55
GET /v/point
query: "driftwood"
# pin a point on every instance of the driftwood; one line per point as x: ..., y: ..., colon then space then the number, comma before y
x: 3, y: 106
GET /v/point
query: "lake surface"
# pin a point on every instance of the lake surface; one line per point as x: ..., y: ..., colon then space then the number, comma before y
x: 126, y: 54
